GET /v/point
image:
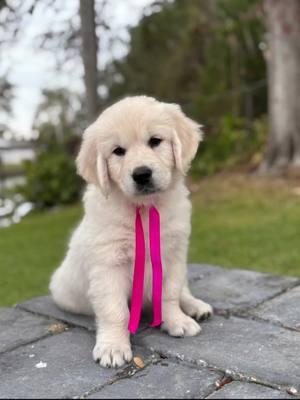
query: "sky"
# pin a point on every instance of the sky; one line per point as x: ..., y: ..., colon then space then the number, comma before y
x: 31, y: 68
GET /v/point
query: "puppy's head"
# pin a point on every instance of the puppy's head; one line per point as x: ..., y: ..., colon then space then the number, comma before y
x: 138, y: 144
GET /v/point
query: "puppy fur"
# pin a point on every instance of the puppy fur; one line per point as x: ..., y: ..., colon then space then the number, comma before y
x: 95, y: 277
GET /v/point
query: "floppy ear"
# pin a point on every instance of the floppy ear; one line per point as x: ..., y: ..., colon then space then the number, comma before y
x: 91, y: 164
x: 187, y: 135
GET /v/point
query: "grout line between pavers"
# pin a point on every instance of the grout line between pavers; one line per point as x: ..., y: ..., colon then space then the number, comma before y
x: 16, y: 347
x: 66, y: 322
x: 216, y: 388
x: 282, y: 390
x: 126, y: 373
x: 70, y: 324
x: 36, y: 340
x: 266, y: 321
x: 210, y: 390
x: 245, y: 312
x: 235, y: 376
x: 274, y: 296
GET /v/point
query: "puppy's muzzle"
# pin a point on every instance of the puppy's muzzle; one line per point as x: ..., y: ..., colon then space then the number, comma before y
x: 142, y: 177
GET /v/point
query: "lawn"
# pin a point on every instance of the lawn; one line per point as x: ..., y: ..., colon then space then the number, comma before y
x: 30, y: 250
x: 238, y: 222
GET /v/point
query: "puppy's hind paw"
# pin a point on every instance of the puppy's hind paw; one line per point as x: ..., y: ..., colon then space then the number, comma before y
x: 112, y: 355
x: 181, y: 326
x: 197, y: 309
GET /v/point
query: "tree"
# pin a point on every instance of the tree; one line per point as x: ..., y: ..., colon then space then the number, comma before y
x: 197, y: 53
x: 6, y: 96
x: 12, y: 14
x: 75, y: 41
x: 89, y: 50
x: 60, y: 119
x: 72, y: 39
x: 283, y: 60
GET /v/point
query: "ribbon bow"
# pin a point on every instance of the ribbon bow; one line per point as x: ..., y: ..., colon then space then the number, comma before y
x: 139, y: 270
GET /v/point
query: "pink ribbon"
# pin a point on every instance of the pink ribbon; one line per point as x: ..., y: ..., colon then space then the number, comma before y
x: 139, y: 270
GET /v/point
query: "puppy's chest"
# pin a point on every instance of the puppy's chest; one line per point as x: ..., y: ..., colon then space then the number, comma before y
x: 173, y: 240
x: 173, y: 235
x: 171, y: 232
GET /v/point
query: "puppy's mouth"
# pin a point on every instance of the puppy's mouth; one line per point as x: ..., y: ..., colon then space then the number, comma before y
x: 144, y: 190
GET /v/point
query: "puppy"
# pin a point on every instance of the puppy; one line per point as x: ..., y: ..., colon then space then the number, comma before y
x: 135, y: 134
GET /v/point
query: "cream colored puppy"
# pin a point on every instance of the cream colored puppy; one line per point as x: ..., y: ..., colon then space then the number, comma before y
x: 136, y: 153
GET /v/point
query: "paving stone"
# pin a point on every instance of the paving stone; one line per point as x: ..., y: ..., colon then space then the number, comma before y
x: 164, y: 381
x: 238, y: 289
x: 55, y: 367
x: 283, y: 309
x: 61, y: 365
x: 258, y: 349
x: 19, y: 327
x: 244, y: 390
x: 200, y: 271
x: 46, y: 306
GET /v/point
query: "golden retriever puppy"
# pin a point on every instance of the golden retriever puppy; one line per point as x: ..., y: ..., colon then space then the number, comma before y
x: 136, y: 153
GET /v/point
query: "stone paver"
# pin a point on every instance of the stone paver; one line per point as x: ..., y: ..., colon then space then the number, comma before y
x: 284, y: 309
x: 164, y: 381
x: 237, y: 289
x: 244, y: 390
x: 45, y: 306
x: 196, y: 271
x: 66, y: 368
x: 18, y: 327
x: 252, y: 348
x: 251, y: 340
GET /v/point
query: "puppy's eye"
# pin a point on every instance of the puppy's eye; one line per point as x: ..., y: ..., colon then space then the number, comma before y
x: 154, y: 142
x: 119, y: 151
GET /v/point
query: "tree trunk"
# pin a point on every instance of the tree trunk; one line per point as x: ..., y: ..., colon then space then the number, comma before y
x: 283, y: 59
x: 89, y: 56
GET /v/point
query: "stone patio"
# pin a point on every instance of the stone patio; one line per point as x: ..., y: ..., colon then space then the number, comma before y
x: 249, y: 349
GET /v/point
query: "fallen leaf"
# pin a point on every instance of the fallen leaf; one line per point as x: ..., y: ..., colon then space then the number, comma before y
x: 139, y: 362
x: 57, y: 328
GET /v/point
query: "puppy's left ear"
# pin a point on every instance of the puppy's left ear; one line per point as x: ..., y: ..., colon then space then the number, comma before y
x: 186, y: 138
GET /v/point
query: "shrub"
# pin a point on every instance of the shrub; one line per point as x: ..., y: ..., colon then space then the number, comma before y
x: 234, y: 144
x: 51, y: 179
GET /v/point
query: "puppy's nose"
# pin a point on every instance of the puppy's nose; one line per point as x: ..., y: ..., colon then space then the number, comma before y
x: 142, y: 175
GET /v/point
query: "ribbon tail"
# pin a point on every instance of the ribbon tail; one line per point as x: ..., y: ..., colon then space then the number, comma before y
x: 157, y: 272
x: 138, y: 277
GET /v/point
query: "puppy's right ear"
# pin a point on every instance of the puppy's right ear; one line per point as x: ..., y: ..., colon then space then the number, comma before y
x: 91, y: 164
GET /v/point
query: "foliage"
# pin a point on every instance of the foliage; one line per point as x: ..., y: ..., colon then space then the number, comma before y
x: 205, y: 56
x: 234, y: 144
x: 6, y: 97
x: 61, y: 111
x: 196, y: 53
x: 51, y: 177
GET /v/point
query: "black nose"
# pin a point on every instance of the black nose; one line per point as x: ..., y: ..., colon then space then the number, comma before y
x: 142, y: 175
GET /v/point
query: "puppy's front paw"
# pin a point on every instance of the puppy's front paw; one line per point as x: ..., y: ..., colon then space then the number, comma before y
x: 197, y: 309
x: 180, y: 326
x: 112, y: 355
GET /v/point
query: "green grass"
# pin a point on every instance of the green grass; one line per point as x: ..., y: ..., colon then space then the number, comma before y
x: 30, y: 250
x: 237, y: 222
x: 242, y: 222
